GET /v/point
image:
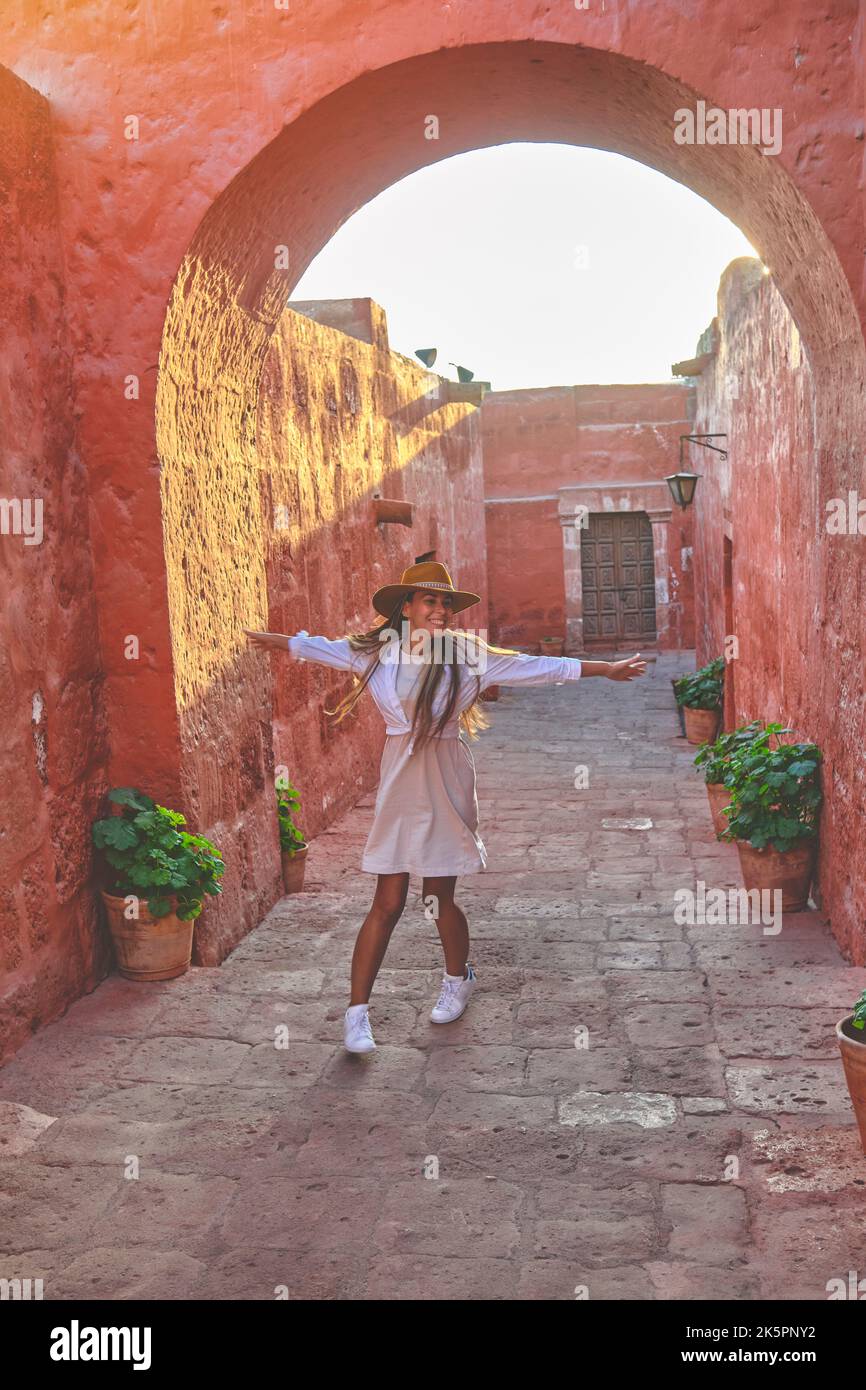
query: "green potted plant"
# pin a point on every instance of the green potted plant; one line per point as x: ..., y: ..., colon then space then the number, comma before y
x: 852, y: 1044
x: 700, y: 695
x: 715, y: 760
x: 293, y: 846
x: 773, y: 815
x: 158, y: 878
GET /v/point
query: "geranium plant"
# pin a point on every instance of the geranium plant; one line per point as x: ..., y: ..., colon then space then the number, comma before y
x: 715, y: 758
x: 775, y: 793
x: 151, y: 857
x: 704, y: 689
x: 288, y: 802
x: 858, y: 1018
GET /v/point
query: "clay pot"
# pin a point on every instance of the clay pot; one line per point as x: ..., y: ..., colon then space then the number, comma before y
x: 553, y: 646
x: 702, y: 725
x: 719, y: 796
x: 148, y: 948
x: 852, y: 1045
x: 770, y: 868
x: 491, y: 693
x: 293, y: 869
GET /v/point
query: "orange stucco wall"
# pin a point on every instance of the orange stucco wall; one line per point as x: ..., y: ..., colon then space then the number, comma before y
x: 53, y: 733
x: 797, y: 599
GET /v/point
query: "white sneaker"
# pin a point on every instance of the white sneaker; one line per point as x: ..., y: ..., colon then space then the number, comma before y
x: 357, y: 1033
x: 453, y: 997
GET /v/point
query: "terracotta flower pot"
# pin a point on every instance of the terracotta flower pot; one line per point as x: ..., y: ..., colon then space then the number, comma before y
x: 553, y: 646
x: 148, y: 948
x: 702, y: 725
x: 852, y: 1045
x: 770, y: 868
x: 719, y: 797
x: 293, y: 869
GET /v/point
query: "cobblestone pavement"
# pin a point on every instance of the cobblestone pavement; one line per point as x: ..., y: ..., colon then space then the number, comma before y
x: 701, y: 1146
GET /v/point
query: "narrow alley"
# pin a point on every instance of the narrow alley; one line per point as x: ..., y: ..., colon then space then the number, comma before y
x: 629, y: 1108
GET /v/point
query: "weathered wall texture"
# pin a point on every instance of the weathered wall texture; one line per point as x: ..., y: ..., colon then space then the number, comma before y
x: 340, y: 419
x: 545, y: 451
x: 53, y: 749
x: 798, y: 597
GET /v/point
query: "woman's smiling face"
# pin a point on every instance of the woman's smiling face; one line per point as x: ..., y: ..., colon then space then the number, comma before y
x: 428, y: 609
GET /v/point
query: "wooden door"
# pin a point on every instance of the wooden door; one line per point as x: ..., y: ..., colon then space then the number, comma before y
x: 618, y: 574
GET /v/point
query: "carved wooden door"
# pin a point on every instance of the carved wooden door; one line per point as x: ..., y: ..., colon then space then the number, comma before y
x: 618, y: 576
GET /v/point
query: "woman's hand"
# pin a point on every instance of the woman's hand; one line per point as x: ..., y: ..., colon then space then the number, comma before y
x: 626, y: 670
x: 267, y: 639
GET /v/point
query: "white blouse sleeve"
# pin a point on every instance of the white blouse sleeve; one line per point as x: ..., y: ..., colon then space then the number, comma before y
x: 327, y: 651
x: 523, y: 669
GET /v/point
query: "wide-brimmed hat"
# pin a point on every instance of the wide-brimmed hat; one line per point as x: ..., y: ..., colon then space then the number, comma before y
x: 427, y: 575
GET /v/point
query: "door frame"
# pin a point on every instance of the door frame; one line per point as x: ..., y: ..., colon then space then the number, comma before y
x: 575, y: 504
x: 622, y: 638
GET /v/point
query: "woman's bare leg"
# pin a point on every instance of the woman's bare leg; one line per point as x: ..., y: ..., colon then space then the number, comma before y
x: 372, y: 942
x: 450, y: 922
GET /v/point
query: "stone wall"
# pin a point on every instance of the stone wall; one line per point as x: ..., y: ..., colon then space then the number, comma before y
x: 53, y: 742
x: 795, y: 600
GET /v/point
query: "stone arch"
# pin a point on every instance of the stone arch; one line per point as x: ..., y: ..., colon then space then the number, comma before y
x: 231, y: 290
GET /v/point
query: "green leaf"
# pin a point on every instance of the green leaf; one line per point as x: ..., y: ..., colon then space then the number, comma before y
x: 115, y: 832
x: 159, y: 907
x: 130, y: 796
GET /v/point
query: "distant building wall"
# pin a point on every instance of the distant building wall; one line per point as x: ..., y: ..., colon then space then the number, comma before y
x: 552, y: 455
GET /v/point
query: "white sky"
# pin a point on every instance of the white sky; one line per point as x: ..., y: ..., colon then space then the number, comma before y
x: 480, y: 256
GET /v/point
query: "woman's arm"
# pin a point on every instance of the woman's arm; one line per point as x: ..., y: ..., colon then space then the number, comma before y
x: 327, y: 651
x: 616, y: 670
x: 543, y: 670
x: 522, y: 669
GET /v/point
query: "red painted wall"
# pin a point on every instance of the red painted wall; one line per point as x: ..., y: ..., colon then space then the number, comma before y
x: 53, y: 738
x: 539, y: 441
x: 798, y: 592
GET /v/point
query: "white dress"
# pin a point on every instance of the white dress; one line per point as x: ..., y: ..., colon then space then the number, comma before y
x: 426, y: 817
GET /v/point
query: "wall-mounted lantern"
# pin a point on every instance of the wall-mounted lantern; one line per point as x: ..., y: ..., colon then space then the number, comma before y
x: 683, y: 483
x: 682, y: 486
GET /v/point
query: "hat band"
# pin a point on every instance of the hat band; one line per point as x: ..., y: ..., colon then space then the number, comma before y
x: 431, y: 584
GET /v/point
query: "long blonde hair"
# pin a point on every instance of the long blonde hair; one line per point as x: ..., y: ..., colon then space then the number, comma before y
x: 473, y: 719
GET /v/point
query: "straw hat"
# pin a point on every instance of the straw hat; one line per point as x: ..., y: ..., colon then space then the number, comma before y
x: 427, y: 575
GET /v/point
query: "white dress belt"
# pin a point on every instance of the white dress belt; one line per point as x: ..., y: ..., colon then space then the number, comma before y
x: 448, y: 733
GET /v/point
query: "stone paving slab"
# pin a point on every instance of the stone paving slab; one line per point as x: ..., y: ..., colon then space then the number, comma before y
x: 631, y: 1107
